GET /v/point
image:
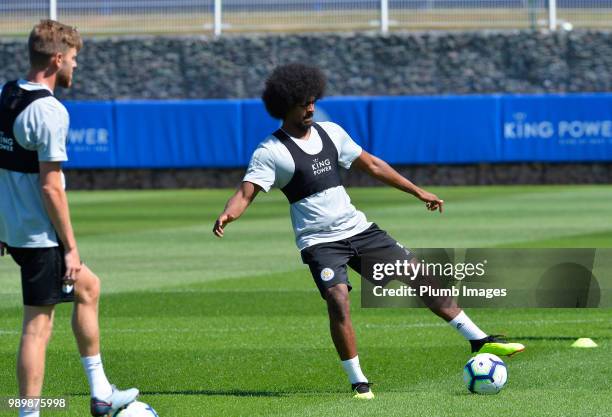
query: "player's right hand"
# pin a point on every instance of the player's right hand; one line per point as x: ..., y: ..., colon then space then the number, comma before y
x: 432, y: 202
x: 220, y: 224
x: 73, y: 265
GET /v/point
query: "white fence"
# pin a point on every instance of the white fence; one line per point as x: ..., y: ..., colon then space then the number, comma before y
x: 219, y: 16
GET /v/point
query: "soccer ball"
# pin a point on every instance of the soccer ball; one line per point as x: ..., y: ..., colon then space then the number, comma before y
x: 136, y: 409
x: 485, y: 374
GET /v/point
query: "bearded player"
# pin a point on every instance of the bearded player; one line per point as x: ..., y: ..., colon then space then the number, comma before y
x: 303, y: 159
x: 35, y: 226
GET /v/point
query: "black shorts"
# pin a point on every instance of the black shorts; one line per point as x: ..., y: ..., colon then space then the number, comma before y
x: 42, y: 274
x: 328, y: 261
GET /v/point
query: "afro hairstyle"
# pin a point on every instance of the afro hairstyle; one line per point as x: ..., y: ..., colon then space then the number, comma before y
x: 290, y: 85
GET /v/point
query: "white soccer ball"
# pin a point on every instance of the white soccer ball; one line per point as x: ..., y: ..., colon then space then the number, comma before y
x: 485, y: 374
x: 136, y: 409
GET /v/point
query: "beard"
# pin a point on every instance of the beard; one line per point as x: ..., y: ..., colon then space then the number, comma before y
x: 303, y: 126
x: 64, y: 79
x: 307, y: 121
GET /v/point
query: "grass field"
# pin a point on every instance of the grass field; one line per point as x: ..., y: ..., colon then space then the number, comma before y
x: 235, y: 327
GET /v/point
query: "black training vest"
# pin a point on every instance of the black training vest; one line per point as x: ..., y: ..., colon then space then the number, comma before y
x: 313, y: 173
x: 13, y: 101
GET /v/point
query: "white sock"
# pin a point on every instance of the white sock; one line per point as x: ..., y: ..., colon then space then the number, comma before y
x: 353, y: 370
x: 23, y: 413
x: 466, y: 327
x: 98, y: 384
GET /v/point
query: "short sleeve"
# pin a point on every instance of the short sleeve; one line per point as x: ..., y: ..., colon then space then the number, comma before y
x: 51, y: 133
x: 348, y: 149
x: 261, y: 169
x: 43, y: 127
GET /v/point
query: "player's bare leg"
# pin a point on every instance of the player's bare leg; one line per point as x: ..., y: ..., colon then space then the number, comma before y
x: 85, y: 312
x: 105, y: 398
x: 446, y: 307
x: 343, y: 335
x: 340, y: 324
x: 36, y: 333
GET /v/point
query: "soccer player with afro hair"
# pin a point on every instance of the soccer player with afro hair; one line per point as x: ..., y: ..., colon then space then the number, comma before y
x: 303, y: 158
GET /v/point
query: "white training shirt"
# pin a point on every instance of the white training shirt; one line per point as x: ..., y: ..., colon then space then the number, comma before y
x: 41, y: 127
x: 326, y: 216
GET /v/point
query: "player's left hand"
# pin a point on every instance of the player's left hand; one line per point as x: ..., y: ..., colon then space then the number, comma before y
x: 432, y: 202
x: 2, y: 248
x: 220, y: 224
x: 73, y: 263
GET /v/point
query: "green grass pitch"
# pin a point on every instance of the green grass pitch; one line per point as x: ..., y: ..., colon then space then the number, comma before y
x: 235, y: 327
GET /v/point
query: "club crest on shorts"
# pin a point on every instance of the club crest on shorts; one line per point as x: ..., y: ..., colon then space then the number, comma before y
x: 327, y: 274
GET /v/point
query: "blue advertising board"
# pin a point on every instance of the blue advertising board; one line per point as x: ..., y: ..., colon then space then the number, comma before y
x: 178, y: 134
x: 400, y: 130
x: 91, y: 139
x: 425, y: 130
x: 557, y: 128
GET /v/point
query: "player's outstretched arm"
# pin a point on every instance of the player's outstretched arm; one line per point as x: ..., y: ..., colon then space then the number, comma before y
x: 382, y: 171
x: 56, y: 204
x: 236, y: 205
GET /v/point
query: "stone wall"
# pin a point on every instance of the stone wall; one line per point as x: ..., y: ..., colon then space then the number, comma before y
x: 473, y: 174
x: 356, y: 64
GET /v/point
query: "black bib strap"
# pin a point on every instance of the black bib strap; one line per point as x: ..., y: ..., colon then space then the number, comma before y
x: 313, y: 173
x: 13, y: 101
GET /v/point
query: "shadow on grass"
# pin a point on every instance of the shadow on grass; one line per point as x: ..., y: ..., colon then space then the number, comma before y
x: 463, y: 393
x: 556, y: 337
x: 228, y: 393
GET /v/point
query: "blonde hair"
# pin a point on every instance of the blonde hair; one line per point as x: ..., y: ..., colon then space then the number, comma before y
x: 50, y: 37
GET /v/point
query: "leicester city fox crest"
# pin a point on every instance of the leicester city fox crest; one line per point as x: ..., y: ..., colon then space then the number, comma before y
x: 327, y: 274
